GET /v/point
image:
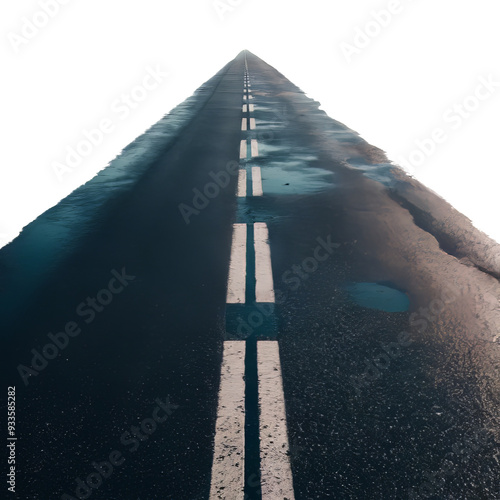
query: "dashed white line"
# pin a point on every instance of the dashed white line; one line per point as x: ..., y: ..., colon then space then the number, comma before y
x: 243, y: 149
x: 236, y: 283
x: 256, y: 182
x: 242, y: 183
x: 276, y: 475
x: 255, y: 148
x: 251, y: 108
x: 243, y: 124
x: 245, y: 108
x: 228, y: 466
x: 252, y: 123
x: 264, y: 285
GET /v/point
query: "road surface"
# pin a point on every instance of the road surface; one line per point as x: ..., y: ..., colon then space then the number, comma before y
x: 263, y: 308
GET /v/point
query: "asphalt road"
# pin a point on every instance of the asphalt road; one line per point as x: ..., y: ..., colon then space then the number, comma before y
x: 385, y: 308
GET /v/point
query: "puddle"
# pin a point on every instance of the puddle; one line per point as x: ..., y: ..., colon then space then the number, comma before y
x: 380, y: 172
x: 294, y: 177
x: 377, y: 296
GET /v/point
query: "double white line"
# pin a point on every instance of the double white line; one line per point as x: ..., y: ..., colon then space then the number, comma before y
x: 244, y: 148
x: 256, y: 183
x: 244, y: 124
x: 236, y: 286
x: 228, y: 468
x: 254, y: 152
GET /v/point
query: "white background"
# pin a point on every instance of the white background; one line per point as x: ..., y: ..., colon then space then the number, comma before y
x: 68, y: 75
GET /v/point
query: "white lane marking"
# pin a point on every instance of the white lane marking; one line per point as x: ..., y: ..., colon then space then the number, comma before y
x: 276, y: 474
x: 251, y: 107
x: 228, y: 466
x: 245, y: 108
x: 264, y: 285
x: 242, y: 183
x: 243, y: 149
x: 255, y: 148
x: 256, y: 182
x: 250, y: 96
x: 252, y: 123
x: 243, y: 124
x: 236, y: 283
